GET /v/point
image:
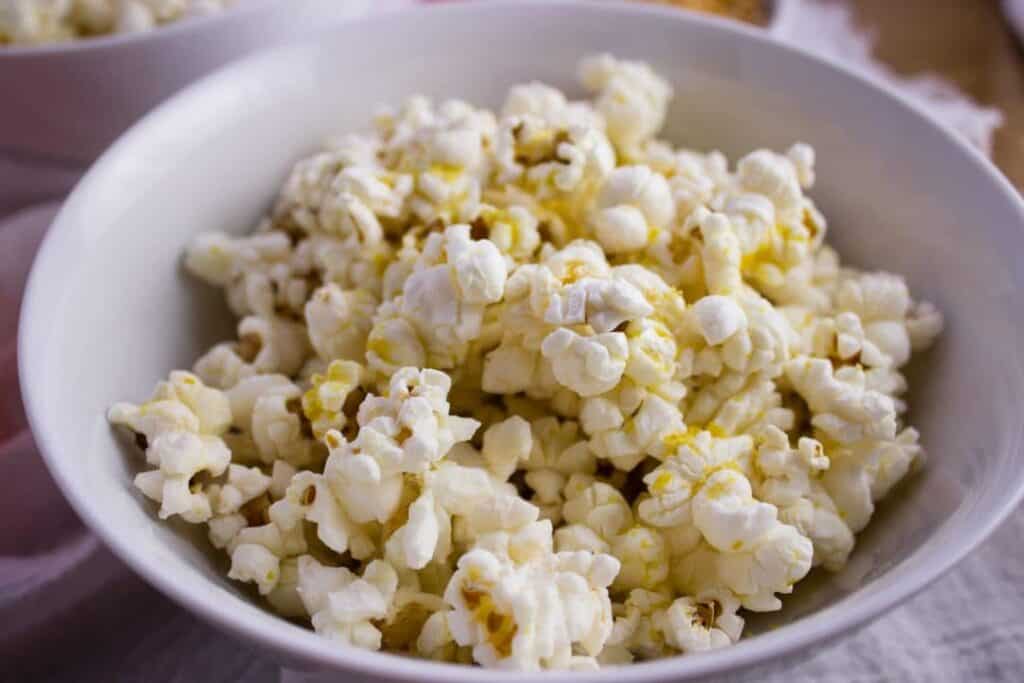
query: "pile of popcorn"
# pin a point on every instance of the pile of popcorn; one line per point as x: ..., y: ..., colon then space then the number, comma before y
x: 536, y: 390
x: 33, y: 22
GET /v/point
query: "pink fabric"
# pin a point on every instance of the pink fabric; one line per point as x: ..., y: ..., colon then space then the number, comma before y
x: 41, y: 539
x: 69, y: 610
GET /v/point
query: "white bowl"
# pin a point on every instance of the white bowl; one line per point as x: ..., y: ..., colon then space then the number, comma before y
x: 66, y: 102
x: 108, y: 310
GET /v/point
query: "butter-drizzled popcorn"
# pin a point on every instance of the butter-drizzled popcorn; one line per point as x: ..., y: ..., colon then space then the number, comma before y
x: 537, y: 390
x: 632, y: 99
x: 34, y: 22
x: 521, y: 606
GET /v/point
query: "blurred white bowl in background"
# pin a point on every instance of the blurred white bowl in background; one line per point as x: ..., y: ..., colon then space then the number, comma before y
x: 63, y: 103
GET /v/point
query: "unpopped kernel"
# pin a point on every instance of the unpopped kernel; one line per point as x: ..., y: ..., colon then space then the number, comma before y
x: 536, y: 390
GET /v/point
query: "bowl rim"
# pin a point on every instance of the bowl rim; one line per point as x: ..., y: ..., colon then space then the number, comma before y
x: 114, y: 41
x: 317, y: 653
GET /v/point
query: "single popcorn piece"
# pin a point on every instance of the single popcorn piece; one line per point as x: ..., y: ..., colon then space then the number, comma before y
x: 180, y: 456
x: 506, y: 444
x: 706, y: 622
x: 719, y: 317
x: 650, y: 624
x: 633, y: 205
x: 727, y: 515
x: 243, y: 484
x: 344, y: 606
x: 587, y: 365
x: 182, y: 403
x: 632, y: 99
x: 254, y: 563
x: 697, y: 459
x: 602, y: 304
x: 530, y: 613
x: 339, y: 322
x: 324, y: 403
x: 529, y: 389
x: 445, y: 303
x: 630, y: 424
x: 842, y: 406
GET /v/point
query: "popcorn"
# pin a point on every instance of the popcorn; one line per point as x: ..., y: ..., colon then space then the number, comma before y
x: 632, y: 428
x: 704, y: 623
x: 843, y: 407
x: 587, y: 365
x: 548, y: 104
x: 407, y: 432
x: 534, y: 391
x: 513, y: 230
x: 719, y: 318
x: 698, y: 458
x: 182, y: 403
x: 309, y: 497
x: 284, y: 597
x: 339, y: 322
x: 280, y: 476
x: 720, y: 254
x: 637, y: 630
x: 727, y: 515
x: 782, y: 557
x: 272, y: 344
x: 558, y: 452
x: 35, y: 22
x: 279, y: 429
x: 506, y: 444
x: 633, y: 205
x: 597, y: 506
x: 866, y: 471
x: 652, y: 625
x: 324, y: 403
x: 393, y: 342
x: 180, y: 456
x: 243, y: 484
x: 530, y: 613
x: 632, y: 99
x: 603, y: 304
x: 343, y: 607
x: 254, y: 563
x: 223, y: 530
x: 644, y: 559
x: 882, y: 304
x: 776, y: 177
x: 445, y: 303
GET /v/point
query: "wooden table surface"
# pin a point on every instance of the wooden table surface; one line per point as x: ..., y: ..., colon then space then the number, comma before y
x: 968, y: 42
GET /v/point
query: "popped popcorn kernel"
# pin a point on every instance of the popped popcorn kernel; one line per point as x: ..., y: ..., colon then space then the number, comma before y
x: 324, y: 403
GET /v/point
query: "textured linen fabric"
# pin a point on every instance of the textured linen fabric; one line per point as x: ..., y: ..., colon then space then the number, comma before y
x: 70, y: 611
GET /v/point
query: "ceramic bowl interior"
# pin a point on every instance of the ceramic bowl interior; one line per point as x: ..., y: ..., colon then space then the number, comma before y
x: 109, y: 311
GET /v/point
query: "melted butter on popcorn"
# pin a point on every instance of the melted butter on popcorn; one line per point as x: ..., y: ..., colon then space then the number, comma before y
x: 536, y: 390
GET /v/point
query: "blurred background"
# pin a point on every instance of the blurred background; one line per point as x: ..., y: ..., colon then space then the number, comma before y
x: 972, y: 44
x: 69, y: 611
